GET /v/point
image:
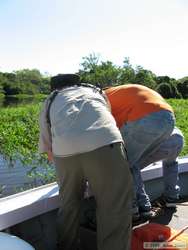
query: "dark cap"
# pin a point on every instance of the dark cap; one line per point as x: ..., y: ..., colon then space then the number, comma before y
x: 63, y: 80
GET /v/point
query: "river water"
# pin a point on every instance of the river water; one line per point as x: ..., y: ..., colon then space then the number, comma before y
x: 14, y: 178
x: 16, y: 102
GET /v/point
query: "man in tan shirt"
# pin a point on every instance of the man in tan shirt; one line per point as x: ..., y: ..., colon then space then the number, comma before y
x: 79, y: 132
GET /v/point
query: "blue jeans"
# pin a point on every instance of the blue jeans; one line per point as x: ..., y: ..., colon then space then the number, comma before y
x: 148, y: 140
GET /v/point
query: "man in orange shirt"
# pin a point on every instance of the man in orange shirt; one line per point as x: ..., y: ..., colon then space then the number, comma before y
x: 147, y: 125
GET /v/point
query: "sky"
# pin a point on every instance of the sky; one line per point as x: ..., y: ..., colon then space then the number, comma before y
x: 54, y: 35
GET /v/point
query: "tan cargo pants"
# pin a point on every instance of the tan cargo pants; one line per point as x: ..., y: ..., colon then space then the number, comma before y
x: 107, y: 171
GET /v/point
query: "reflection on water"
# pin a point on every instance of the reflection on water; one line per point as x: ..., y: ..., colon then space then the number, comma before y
x: 15, y: 101
x: 12, y: 178
x: 17, y: 177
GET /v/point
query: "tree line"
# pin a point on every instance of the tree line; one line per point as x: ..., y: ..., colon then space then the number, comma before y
x: 95, y: 71
x: 26, y: 81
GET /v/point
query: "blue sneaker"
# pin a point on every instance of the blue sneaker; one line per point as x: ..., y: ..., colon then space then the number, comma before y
x: 168, y: 202
x: 171, y: 202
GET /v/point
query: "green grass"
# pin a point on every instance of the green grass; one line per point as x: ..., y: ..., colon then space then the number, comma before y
x: 180, y: 107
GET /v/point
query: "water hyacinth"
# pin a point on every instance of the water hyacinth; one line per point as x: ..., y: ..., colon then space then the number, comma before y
x: 181, y: 113
x: 19, y: 133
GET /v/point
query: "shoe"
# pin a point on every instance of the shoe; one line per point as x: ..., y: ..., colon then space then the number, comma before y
x: 171, y: 203
x: 167, y: 202
x: 150, y: 214
x: 147, y: 214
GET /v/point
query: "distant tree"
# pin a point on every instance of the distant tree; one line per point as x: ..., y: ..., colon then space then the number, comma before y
x: 165, y: 90
x: 2, y: 93
x: 44, y: 87
x: 29, y: 78
x: 145, y: 77
x: 127, y: 73
x: 163, y: 79
x: 94, y: 71
x: 2, y: 81
x: 108, y: 74
x: 90, y: 63
x: 182, y: 87
x: 26, y: 75
x: 11, y: 89
x: 24, y: 82
x: 88, y: 68
x: 9, y: 83
x: 174, y: 92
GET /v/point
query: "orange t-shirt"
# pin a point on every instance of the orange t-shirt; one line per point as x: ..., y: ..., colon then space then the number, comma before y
x: 133, y: 101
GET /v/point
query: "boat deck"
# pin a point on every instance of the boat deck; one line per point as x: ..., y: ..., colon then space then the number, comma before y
x: 31, y: 215
x: 176, y: 218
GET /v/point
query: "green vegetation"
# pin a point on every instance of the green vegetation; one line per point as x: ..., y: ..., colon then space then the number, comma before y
x: 23, y: 82
x: 19, y: 129
x: 25, y: 96
x: 19, y: 132
x: 181, y: 112
x: 107, y: 74
x: 93, y: 70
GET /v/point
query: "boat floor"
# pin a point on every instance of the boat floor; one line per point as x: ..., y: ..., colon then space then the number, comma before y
x: 176, y: 218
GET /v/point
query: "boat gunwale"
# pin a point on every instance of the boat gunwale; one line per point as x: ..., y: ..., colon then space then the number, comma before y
x: 25, y: 205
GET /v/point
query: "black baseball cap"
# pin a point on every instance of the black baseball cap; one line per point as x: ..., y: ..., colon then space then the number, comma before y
x: 63, y: 80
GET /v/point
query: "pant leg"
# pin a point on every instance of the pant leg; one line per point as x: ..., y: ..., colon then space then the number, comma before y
x: 142, y: 199
x: 71, y: 188
x: 142, y: 138
x: 168, y: 151
x: 110, y: 181
x: 170, y: 165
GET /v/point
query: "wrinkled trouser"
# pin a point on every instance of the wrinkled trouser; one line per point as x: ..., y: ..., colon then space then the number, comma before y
x: 148, y: 140
x: 107, y: 171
